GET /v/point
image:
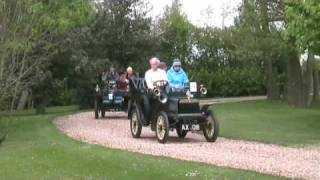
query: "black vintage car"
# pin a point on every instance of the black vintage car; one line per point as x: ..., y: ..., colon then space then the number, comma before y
x: 165, y: 109
x: 110, y: 97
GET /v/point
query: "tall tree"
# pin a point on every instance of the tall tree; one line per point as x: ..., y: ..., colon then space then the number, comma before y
x: 175, y: 34
x: 122, y: 31
x: 303, y: 25
x: 261, y: 40
x: 273, y: 90
x: 27, y: 30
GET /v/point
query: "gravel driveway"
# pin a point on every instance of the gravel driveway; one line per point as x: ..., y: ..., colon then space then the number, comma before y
x: 114, y: 132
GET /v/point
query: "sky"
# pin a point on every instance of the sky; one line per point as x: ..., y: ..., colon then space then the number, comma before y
x: 196, y: 11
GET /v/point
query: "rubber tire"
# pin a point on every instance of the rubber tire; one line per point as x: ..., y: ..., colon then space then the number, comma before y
x: 215, y: 135
x: 103, y: 113
x: 138, y: 134
x: 181, y: 133
x: 96, y: 110
x: 166, y: 127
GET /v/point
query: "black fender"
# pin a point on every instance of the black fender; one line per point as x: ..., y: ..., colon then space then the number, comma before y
x: 130, y: 108
x: 141, y: 116
x: 143, y: 120
x: 205, y: 108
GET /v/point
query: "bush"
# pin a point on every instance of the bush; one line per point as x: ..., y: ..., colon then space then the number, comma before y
x: 229, y: 81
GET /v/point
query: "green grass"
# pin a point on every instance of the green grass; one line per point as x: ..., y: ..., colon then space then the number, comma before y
x: 35, y: 149
x: 269, y: 122
x: 50, y: 110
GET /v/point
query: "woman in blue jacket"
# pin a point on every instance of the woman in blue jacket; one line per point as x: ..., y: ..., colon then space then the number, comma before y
x: 176, y: 76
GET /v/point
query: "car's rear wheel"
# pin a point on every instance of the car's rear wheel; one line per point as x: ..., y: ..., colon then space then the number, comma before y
x: 96, y: 109
x: 135, y: 125
x: 181, y: 133
x: 162, y: 127
x: 103, y: 112
x: 211, y: 128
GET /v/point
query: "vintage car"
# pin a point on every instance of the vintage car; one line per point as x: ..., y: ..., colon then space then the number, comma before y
x: 110, y: 98
x: 165, y: 109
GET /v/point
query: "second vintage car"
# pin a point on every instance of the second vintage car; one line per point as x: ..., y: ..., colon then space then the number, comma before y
x: 109, y: 97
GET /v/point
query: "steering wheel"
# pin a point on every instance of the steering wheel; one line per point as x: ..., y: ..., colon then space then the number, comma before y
x: 160, y: 83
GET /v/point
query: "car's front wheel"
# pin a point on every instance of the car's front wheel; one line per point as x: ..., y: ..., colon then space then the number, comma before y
x: 162, y: 127
x: 211, y: 128
x: 135, y: 125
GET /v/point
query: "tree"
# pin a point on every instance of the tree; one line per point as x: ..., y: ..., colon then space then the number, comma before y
x: 304, y: 23
x: 260, y: 40
x: 303, y: 26
x: 16, y: 26
x: 27, y: 31
x: 118, y: 34
x: 175, y: 35
x: 122, y: 32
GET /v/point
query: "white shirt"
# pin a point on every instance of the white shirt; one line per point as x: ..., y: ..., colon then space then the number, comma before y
x: 152, y: 76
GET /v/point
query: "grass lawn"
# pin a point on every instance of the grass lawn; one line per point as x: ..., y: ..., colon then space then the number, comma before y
x: 35, y: 149
x: 269, y: 122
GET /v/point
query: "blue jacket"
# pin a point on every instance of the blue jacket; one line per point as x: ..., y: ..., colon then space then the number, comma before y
x: 177, y: 79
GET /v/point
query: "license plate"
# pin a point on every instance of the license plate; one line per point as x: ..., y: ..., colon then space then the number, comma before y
x: 190, y: 127
x: 110, y: 96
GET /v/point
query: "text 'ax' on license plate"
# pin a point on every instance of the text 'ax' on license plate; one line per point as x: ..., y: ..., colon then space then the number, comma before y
x: 190, y: 127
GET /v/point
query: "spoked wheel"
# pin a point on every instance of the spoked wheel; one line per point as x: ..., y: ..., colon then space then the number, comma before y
x: 162, y: 127
x: 135, y: 125
x: 181, y: 133
x: 211, y: 128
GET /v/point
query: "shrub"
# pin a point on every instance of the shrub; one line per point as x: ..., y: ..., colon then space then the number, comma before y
x: 229, y: 81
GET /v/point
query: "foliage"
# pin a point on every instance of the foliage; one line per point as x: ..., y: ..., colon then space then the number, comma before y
x: 175, y: 34
x: 118, y: 35
x: 121, y: 32
x: 304, y: 23
x: 57, y: 49
x: 29, y: 31
x: 211, y: 55
x: 60, y: 15
x: 229, y: 81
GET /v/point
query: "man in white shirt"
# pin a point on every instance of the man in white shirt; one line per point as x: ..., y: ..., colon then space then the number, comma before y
x: 155, y: 73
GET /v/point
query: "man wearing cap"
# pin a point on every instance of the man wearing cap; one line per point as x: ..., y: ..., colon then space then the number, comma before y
x: 176, y: 76
x: 155, y: 73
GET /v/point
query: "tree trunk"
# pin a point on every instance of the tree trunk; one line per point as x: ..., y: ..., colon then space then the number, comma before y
x: 273, y: 89
x: 316, y: 86
x: 308, y: 82
x: 23, y: 100
x: 295, y: 84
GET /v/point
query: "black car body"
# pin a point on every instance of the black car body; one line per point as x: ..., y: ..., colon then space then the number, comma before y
x: 165, y: 109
